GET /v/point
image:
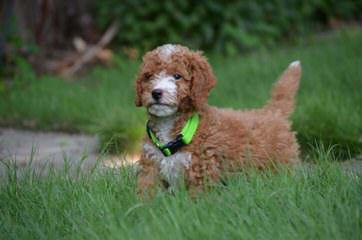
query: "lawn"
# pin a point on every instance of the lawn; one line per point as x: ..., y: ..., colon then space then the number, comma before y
x: 314, y: 201
x: 328, y: 107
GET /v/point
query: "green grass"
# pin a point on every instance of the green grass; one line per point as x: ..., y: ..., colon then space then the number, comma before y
x: 318, y: 201
x: 328, y: 109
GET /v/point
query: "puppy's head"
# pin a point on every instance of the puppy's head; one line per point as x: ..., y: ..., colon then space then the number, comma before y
x: 173, y: 79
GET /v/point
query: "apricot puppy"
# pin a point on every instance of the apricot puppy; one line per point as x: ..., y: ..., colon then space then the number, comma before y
x: 186, y: 138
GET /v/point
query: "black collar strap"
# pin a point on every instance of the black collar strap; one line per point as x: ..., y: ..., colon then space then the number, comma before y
x: 184, y: 138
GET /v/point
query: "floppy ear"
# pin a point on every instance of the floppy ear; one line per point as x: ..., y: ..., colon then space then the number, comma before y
x: 138, y: 86
x: 202, y: 79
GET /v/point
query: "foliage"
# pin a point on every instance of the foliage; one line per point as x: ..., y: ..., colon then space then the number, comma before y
x: 318, y: 201
x: 224, y: 26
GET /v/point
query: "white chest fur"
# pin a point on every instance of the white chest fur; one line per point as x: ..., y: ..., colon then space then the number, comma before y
x: 171, y: 167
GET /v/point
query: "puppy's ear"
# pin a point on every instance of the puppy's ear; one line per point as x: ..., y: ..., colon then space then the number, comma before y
x: 138, y: 86
x: 203, y: 79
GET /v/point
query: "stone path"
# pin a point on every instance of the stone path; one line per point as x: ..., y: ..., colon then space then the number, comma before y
x: 353, y: 165
x: 20, y: 146
x: 50, y: 148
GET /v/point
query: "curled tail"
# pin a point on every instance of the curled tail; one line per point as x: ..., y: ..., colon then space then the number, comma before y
x: 284, y: 90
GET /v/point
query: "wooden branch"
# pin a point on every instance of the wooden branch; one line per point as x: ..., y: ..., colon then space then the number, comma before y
x: 92, y: 51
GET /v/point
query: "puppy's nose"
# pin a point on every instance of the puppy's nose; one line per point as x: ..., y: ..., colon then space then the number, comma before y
x: 156, y: 94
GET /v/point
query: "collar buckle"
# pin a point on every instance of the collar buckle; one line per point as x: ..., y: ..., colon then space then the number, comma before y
x: 173, y: 146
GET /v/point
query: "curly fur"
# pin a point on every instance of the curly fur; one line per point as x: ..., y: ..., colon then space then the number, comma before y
x: 227, y: 139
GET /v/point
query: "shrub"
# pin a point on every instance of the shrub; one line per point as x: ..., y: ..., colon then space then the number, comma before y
x: 224, y: 26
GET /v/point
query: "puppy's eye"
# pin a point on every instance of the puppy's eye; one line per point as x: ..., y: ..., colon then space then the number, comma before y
x: 177, y: 76
x: 147, y: 76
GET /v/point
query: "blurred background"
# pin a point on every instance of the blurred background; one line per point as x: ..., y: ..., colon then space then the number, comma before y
x: 68, y: 66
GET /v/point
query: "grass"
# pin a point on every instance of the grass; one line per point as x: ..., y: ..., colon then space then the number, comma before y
x: 328, y: 109
x: 318, y: 201
x: 314, y: 201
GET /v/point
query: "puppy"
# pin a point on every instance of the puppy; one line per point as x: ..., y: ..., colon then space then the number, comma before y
x: 173, y: 84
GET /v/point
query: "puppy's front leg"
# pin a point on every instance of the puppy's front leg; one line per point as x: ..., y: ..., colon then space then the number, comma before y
x: 203, y: 171
x: 148, y: 178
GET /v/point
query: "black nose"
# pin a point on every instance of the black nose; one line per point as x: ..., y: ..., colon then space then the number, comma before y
x: 157, y: 94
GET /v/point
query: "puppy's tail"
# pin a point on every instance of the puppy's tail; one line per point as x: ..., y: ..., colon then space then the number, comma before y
x: 284, y: 90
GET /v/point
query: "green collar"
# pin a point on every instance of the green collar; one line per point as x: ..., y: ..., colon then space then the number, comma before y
x: 184, y: 138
